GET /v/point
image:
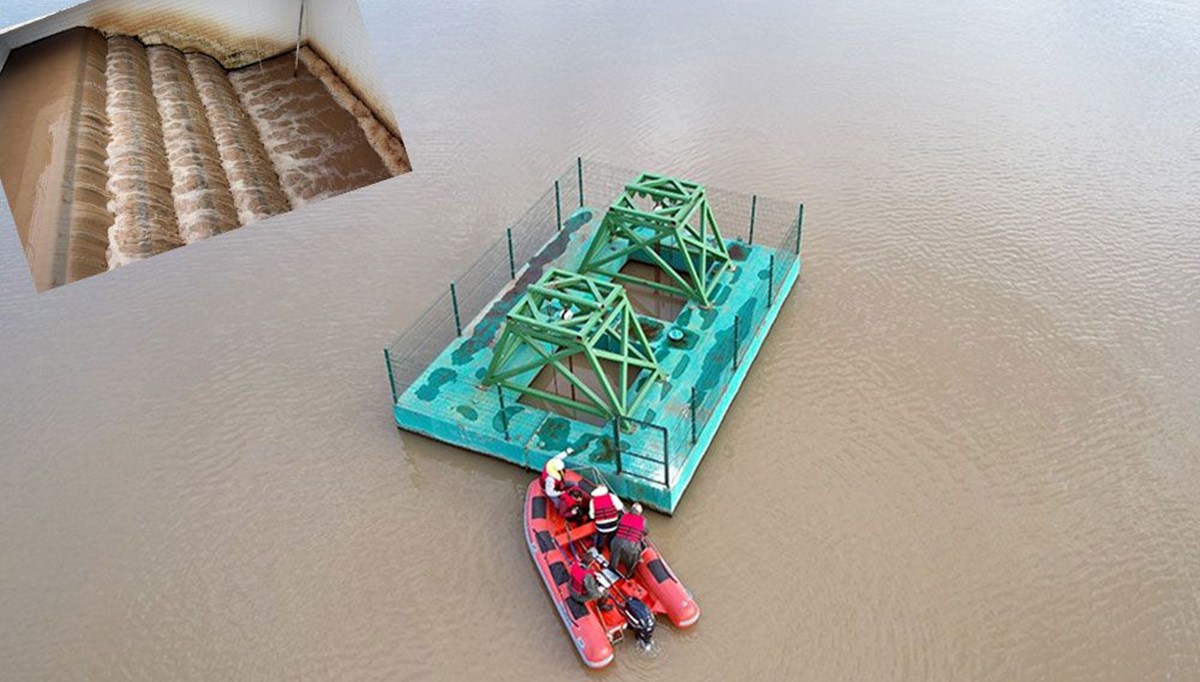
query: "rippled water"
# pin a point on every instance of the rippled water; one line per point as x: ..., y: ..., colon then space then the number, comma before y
x: 968, y: 450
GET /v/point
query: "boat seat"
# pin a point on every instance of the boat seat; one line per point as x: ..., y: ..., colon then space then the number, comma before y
x: 659, y: 570
x: 577, y: 610
x: 559, y: 570
x: 545, y: 541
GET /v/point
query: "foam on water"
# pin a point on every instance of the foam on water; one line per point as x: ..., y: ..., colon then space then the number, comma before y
x: 203, y: 202
x: 252, y: 178
x: 317, y: 147
x: 389, y: 147
x: 139, y: 182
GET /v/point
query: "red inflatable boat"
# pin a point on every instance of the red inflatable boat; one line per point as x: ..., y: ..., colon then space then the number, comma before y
x: 628, y: 603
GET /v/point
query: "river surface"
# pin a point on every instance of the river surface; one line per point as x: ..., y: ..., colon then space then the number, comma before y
x: 968, y: 450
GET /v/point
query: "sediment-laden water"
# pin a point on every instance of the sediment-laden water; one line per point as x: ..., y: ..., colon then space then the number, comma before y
x: 252, y: 178
x: 132, y: 151
x: 389, y: 147
x: 90, y: 219
x: 52, y: 95
x: 203, y: 203
x: 139, y: 178
x: 967, y: 450
x: 317, y: 147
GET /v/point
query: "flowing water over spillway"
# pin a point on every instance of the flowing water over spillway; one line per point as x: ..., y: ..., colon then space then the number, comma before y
x: 252, y: 179
x: 316, y: 145
x: 88, y: 243
x: 139, y: 178
x: 203, y: 202
x: 967, y: 451
x: 152, y: 149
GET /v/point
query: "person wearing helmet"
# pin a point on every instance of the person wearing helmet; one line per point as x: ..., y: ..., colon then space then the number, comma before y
x: 566, y: 499
x: 605, y: 510
x: 629, y: 540
x: 552, y: 475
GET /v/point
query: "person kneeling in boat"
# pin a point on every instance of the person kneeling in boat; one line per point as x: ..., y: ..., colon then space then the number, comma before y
x: 582, y: 586
x: 566, y: 499
x: 629, y: 541
x: 605, y: 510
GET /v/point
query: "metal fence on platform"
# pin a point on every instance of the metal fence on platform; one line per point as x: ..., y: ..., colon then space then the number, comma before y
x: 498, y: 266
x: 776, y: 225
x: 657, y: 453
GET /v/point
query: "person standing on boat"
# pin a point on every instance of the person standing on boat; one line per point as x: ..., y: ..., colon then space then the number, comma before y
x: 582, y: 587
x: 629, y: 540
x: 605, y: 510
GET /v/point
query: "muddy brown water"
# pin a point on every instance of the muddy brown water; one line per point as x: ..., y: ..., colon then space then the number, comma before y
x: 968, y: 451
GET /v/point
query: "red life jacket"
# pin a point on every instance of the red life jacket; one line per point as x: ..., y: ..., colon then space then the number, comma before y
x: 632, y: 527
x: 605, y: 513
x: 578, y: 575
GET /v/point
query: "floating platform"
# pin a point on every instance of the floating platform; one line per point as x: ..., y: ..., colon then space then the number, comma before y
x: 625, y: 336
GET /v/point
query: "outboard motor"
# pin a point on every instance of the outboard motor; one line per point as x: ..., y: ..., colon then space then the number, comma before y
x: 640, y: 618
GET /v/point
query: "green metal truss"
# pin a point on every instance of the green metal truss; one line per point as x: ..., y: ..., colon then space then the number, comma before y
x: 676, y: 232
x: 567, y: 314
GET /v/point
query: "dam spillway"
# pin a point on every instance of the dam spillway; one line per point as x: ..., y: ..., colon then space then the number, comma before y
x: 127, y: 151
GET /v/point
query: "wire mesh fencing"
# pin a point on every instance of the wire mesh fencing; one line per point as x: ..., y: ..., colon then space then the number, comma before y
x: 651, y: 451
x: 776, y: 226
x: 498, y: 266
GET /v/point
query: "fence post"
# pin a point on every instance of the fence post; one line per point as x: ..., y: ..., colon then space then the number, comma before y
x: 512, y: 264
x: 557, y: 206
x: 799, y: 228
x: 753, y: 210
x: 771, y: 281
x: 666, y: 460
x: 387, y: 357
x: 503, y: 413
x: 617, y: 441
x: 737, y: 343
x: 692, y: 404
x: 579, y: 170
x: 454, y: 300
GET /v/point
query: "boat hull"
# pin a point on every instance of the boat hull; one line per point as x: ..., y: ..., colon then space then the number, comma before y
x: 554, y: 545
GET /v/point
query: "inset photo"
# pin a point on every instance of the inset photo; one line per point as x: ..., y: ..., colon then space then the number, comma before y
x: 134, y: 128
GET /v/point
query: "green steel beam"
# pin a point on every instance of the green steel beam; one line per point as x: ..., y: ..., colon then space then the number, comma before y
x: 680, y: 220
x: 536, y: 336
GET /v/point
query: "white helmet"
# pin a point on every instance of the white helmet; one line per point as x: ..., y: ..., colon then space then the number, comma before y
x: 636, y: 508
x: 554, y: 467
x: 600, y: 490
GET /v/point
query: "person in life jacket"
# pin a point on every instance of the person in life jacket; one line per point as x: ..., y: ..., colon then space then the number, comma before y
x: 582, y: 585
x: 629, y: 540
x: 552, y: 474
x: 605, y: 510
x: 566, y: 498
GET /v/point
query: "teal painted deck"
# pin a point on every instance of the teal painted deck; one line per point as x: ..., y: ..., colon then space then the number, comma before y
x: 449, y: 402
